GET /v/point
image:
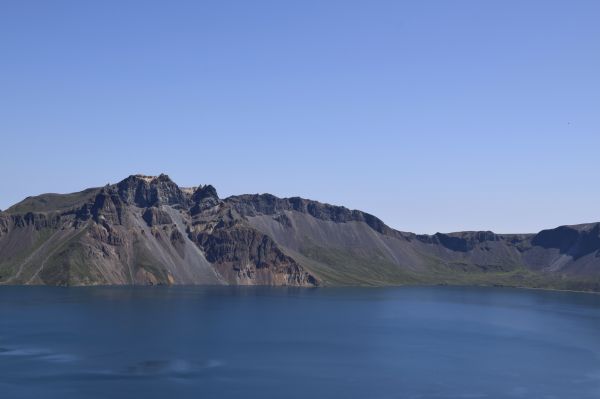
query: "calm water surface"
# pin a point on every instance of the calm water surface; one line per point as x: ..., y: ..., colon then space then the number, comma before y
x: 209, y: 342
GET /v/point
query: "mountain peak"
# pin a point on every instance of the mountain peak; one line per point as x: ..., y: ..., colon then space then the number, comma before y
x: 148, y: 178
x: 202, y: 192
x: 144, y: 190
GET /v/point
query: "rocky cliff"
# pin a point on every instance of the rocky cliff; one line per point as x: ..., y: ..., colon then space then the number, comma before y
x: 148, y: 230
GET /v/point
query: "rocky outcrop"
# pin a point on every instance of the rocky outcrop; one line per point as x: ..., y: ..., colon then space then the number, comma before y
x: 107, y: 207
x: 5, y: 222
x: 243, y: 255
x: 203, y: 198
x: 145, y: 191
x: 155, y: 216
x: 36, y: 220
x: 460, y: 242
x: 574, y: 241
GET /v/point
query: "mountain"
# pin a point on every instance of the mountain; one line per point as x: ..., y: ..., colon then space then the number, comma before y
x: 148, y: 230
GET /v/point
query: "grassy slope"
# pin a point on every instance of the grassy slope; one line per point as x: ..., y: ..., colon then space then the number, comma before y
x: 343, y: 267
x: 10, y: 266
x: 53, y: 202
x: 68, y: 264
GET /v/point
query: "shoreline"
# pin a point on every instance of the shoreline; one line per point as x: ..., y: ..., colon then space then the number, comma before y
x: 299, y: 287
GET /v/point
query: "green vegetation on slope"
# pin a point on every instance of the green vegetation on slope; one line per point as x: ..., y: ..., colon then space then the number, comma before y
x: 346, y: 267
x: 9, y: 266
x: 53, y: 202
x: 66, y: 264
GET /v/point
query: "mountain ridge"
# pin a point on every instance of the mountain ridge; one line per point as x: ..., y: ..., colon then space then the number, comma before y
x: 148, y: 230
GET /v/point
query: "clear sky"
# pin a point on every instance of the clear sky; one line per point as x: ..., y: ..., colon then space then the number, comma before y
x: 433, y: 115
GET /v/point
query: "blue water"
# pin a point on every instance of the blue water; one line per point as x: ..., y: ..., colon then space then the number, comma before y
x: 209, y: 342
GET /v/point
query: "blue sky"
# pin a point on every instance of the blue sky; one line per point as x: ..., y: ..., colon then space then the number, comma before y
x: 433, y: 115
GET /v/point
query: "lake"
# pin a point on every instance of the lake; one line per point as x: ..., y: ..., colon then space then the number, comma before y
x: 257, y: 342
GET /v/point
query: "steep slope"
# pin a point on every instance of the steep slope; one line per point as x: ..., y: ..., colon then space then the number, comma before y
x: 147, y: 230
x: 135, y: 232
x: 341, y: 246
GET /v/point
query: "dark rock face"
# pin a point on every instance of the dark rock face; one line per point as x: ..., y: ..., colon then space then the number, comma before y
x: 36, y: 220
x: 205, y: 192
x: 454, y: 243
x: 460, y: 242
x: 147, y: 230
x: 156, y: 216
x: 5, y: 222
x: 108, y: 207
x: 562, y: 238
x: 145, y: 191
x: 204, y: 197
x: 569, y: 240
x: 242, y: 253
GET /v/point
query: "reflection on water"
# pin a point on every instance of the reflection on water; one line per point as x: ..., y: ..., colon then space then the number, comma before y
x: 37, y: 353
x: 231, y: 342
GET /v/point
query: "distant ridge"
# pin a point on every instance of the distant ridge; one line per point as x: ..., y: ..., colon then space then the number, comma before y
x: 148, y: 230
